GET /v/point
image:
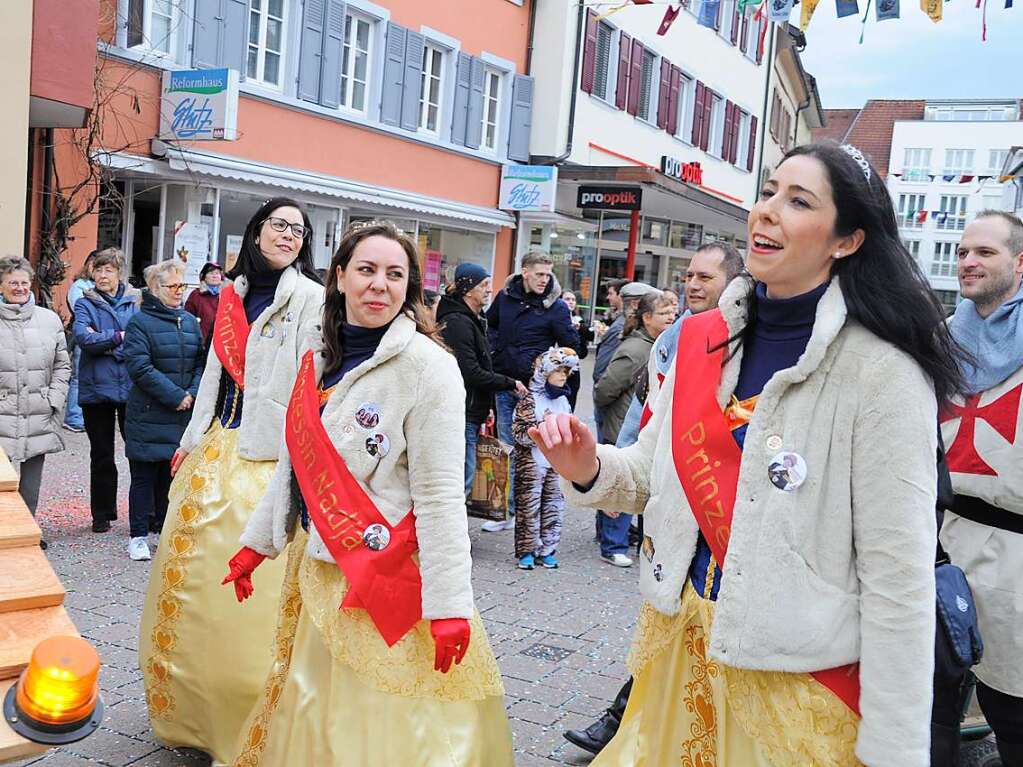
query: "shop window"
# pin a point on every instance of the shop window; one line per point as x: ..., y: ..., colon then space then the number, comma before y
x: 443, y: 248
x: 685, y: 236
x: 491, y: 108
x: 355, y: 60
x: 266, y: 41
x: 431, y: 90
x: 655, y: 231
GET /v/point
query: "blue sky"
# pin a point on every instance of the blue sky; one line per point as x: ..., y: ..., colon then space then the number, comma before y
x: 912, y: 57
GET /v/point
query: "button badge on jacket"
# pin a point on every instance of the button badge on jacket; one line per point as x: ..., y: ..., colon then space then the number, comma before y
x: 787, y: 471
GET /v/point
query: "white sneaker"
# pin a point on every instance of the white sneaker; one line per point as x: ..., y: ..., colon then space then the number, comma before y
x: 618, y: 560
x: 138, y: 549
x: 496, y: 527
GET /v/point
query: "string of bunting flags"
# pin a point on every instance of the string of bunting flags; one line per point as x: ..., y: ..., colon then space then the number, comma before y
x: 780, y: 11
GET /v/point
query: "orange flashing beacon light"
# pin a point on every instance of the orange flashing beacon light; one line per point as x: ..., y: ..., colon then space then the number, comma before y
x: 56, y: 699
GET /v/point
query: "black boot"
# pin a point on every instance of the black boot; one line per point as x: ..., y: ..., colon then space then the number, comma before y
x: 599, y: 734
x: 1011, y: 753
x: 945, y: 743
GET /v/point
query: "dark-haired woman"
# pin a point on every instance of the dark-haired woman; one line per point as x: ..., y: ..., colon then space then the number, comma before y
x: 796, y: 434
x: 380, y: 657
x: 203, y: 657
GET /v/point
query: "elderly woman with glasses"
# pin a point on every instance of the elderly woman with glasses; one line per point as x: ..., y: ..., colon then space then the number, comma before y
x: 163, y: 348
x: 203, y: 656
x: 34, y: 373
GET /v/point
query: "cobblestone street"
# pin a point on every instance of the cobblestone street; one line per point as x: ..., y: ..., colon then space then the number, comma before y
x: 560, y: 636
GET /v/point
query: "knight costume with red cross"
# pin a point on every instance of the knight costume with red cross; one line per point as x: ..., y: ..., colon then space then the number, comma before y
x: 984, y: 436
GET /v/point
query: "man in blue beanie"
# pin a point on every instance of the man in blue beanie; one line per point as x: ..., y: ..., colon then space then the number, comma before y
x: 464, y: 329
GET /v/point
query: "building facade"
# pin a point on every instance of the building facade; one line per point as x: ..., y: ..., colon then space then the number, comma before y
x: 676, y: 116
x: 945, y: 168
x: 399, y: 110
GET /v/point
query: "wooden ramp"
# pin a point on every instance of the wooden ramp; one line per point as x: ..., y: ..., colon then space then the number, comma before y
x: 31, y: 601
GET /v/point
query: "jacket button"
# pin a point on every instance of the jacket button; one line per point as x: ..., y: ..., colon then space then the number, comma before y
x: 774, y: 442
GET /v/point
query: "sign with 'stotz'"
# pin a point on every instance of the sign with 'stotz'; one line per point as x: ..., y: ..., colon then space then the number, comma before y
x: 199, y: 105
x: 528, y: 187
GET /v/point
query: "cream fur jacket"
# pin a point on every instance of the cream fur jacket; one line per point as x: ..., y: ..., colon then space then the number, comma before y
x: 271, y: 364
x: 416, y: 389
x: 837, y: 571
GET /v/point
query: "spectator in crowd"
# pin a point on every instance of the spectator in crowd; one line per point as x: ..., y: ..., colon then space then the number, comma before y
x: 464, y: 329
x: 101, y: 317
x: 34, y: 374
x: 526, y: 319
x: 431, y: 299
x: 585, y: 337
x: 539, y: 499
x: 203, y: 303
x: 983, y: 532
x: 73, y: 418
x: 613, y: 394
x: 672, y: 297
x: 163, y: 348
x: 712, y: 267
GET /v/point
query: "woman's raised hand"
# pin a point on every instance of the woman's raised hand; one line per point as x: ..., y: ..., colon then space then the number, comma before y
x: 569, y: 445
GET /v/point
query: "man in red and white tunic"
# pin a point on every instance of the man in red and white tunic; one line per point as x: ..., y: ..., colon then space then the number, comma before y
x: 984, y: 436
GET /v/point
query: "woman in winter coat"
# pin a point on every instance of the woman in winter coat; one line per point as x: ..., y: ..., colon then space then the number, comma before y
x: 787, y: 480
x: 368, y: 496
x: 585, y: 339
x: 199, y: 683
x: 202, y: 303
x: 613, y: 392
x: 164, y: 351
x: 101, y: 317
x: 34, y: 374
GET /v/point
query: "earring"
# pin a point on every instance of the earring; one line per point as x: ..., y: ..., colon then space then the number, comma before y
x: 838, y: 254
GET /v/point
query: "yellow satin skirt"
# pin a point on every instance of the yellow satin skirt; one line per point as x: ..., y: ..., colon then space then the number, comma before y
x: 203, y: 655
x: 337, y: 695
x: 689, y: 710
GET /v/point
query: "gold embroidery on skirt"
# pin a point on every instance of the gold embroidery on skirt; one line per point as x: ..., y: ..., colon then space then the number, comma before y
x: 700, y: 750
x: 258, y: 724
x: 186, y: 497
x: 406, y: 668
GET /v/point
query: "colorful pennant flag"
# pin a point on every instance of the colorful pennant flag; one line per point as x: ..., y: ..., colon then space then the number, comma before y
x: 1008, y: 3
x: 806, y: 13
x: 851, y: 7
x: 887, y: 9
x: 708, y: 13
x: 670, y: 14
x: 965, y: 179
x: 921, y: 216
x: 932, y: 8
x: 779, y: 11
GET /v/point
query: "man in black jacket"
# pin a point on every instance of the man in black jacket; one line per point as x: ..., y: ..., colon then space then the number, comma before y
x: 464, y: 329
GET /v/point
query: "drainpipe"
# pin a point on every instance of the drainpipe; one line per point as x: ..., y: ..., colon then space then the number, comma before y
x: 29, y: 188
x: 579, y: 24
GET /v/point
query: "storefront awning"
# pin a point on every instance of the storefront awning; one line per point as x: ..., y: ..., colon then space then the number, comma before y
x: 207, y: 164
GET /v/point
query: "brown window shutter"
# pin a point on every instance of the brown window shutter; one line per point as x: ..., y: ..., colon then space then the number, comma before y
x: 701, y: 94
x: 663, y: 97
x: 589, y: 53
x: 622, y: 90
x: 635, y: 77
x: 752, y: 142
x: 673, y: 91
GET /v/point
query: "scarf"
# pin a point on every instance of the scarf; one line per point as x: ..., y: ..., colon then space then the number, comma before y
x: 213, y: 290
x: 996, y: 343
x: 553, y: 392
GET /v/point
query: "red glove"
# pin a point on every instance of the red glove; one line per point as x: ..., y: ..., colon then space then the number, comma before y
x: 177, y: 459
x: 451, y: 636
x: 240, y: 568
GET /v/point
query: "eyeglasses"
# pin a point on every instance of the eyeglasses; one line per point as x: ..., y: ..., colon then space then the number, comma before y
x: 279, y: 225
x: 175, y: 286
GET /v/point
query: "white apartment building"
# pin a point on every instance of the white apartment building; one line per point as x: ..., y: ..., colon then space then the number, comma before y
x: 679, y: 116
x: 943, y: 170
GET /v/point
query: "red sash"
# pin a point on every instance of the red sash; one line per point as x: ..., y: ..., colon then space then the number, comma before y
x: 231, y: 334
x: 385, y: 581
x: 707, y: 457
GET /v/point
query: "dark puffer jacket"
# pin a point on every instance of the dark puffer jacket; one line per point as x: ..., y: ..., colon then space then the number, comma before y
x: 465, y: 332
x: 165, y: 356
x: 523, y: 326
x: 99, y: 331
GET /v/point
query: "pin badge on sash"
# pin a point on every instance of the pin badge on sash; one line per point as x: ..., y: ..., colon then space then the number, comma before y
x: 662, y: 354
x: 378, y: 445
x: 267, y: 331
x: 376, y: 537
x: 787, y: 471
x: 368, y: 415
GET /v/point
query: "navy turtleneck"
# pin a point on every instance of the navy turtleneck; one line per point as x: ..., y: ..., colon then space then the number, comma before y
x: 776, y: 341
x: 358, y: 344
x: 262, y: 288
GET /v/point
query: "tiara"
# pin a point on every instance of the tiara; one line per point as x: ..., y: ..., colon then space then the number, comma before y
x: 858, y: 158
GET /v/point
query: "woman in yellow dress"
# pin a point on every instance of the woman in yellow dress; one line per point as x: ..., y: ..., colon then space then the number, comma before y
x: 380, y: 656
x: 202, y: 656
x: 787, y: 479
